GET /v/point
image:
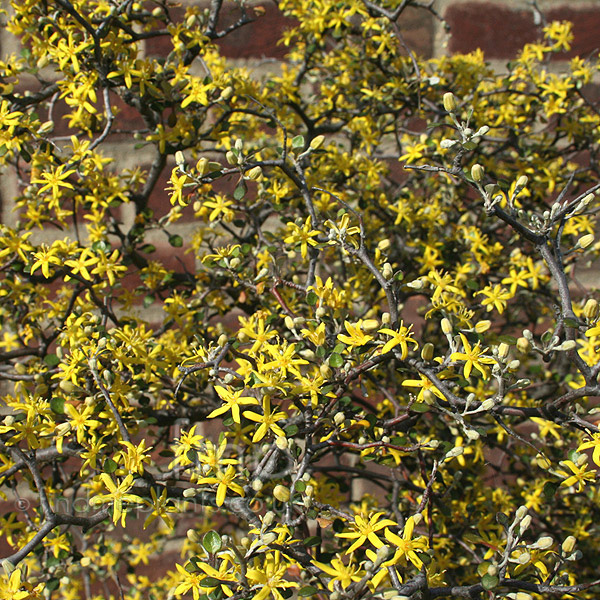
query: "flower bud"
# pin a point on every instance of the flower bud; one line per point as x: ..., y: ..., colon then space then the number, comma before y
x: 523, y: 345
x: 427, y: 351
x: 525, y: 523
x: 281, y: 493
x: 482, y: 326
x: 566, y: 346
x: 386, y: 318
x: 450, y: 102
x: 428, y: 397
x: 226, y: 93
x: 369, y: 325
x: 503, y: 350
x: 446, y: 326
x: 179, y: 158
x: 488, y: 404
x: 317, y: 142
x: 325, y: 371
x: 384, y: 244
x: 231, y: 157
x: 568, y: 545
x: 590, y: 310
x: 255, y: 173
x: 455, y: 452
x: 544, y: 542
x: 417, y: 284
x: 189, y: 493
x: 477, y: 173
x: 586, y: 240
x: 387, y: 271
x: 339, y: 418
x: 522, y: 181
x: 257, y: 485
x: 520, y: 513
x: 282, y: 443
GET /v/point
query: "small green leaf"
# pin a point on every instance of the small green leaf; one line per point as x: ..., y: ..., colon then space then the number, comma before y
x: 291, y: 430
x: 212, y: 542
x: 176, y: 241
x: 110, y: 466
x: 300, y: 486
x: 489, y: 582
x: 507, y: 339
x: 239, y: 192
x: 298, y: 142
x: 570, y: 322
x: 57, y: 405
x: 419, y: 407
x: 312, y: 298
x: 336, y: 361
x: 51, y: 360
x: 307, y: 590
x: 313, y: 540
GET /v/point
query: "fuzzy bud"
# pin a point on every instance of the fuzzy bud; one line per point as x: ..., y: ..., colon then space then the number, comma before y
x: 317, y: 142
x: 446, y: 326
x: 477, y: 173
x: 568, y: 545
x: 544, y: 542
x: 427, y: 351
x: 450, y: 102
x: 281, y: 492
x: 503, y: 350
x: 585, y: 240
x: 520, y: 513
x: 369, y: 325
x: 522, y: 181
x: 590, y: 310
x: 482, y: 326
x: 523, y: 345
x: 255, y: 173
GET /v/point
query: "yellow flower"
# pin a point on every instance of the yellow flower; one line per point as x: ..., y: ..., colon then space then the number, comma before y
x: 407, y: 546
x: 473, y: 357
x: 344, y: 574
x: 233, y: 401
x: 225, y: 481
x: 579, y: 474
x: 268, y: 420
x: 365, y: 529
x: 118, y: 495
x: 402, y: 337
x: 356, y: 336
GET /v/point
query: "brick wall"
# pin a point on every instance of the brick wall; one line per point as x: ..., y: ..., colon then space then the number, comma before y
x: 498, y: 27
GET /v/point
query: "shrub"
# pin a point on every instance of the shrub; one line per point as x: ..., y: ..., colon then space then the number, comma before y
x: 315, y: 373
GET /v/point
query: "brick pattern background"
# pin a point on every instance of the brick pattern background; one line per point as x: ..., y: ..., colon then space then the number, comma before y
x: 498, y: 27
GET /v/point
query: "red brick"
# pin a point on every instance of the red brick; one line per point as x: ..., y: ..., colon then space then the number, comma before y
x: 416, y: 28
x: 500, y: 32
x: 257, y: 39
x: 586, y: 23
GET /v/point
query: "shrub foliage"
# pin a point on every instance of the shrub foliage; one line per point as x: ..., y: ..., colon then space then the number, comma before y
x: 367, y: 363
